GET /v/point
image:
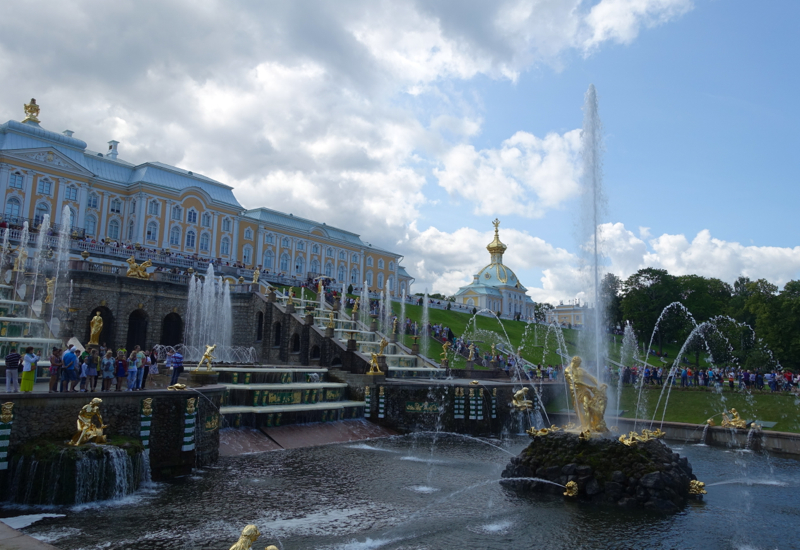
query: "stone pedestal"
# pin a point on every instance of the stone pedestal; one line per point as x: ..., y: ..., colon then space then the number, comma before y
x: 382, y: 364
x: 470, y: 364
x: 415, y: 349
x: 351, y: 345
x: 290, y: 308
x: 328, y: 332
x: 373, y: 323
x: 445, y: 363
x: 271, y: 296
x: 337, y: 305
x: 203, y: 377
x: 309, y: 319
x: 393, y: 338
x: 495, y: 365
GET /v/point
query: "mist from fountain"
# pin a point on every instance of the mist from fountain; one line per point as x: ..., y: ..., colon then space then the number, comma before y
x: 209, y: 317
x: 364, y: 308
x: 38, y: 257
x: 425, y: 322
x: 23, y: 245
x: 4, y: 252
x: 61, y: 265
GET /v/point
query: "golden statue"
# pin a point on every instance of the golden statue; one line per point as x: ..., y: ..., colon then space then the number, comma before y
x: 697, y: 488
x: 21, y: 259
x: 733, y: 421
x: 97, y: 327
x: 355, y: 305
x: 290, y: 301
x: 7, y: 412
x: 207, y: 357
x: 445, y: 348
x: 147, y: 407
x: 249, y: 535
x: 394, y: 326
x: 633, y: 438
x: 256, y: 275
x: 383, y: 344
x: 471, y: 352
x: 177, y: 387
x: 533, y: 432
x: 319, y: 288
x: 374, y: 368
x: 191, y: 403
x: 571, y: 489
x: 31, y: 112
x: 87, y: 431
x: 138, y: 271
x: 331, y: 324
x: 494, y: 352
x: 50, y: 285
x: 589, y: 396
x: 520, y: 400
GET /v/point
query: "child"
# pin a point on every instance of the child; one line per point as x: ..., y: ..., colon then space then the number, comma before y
x: 122, y: 369
x: 84, y: 373
x: 108, y: 371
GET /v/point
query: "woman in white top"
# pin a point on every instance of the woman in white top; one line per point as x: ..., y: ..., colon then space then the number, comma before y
x: 28, y: 370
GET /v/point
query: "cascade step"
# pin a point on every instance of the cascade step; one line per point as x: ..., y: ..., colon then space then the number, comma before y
x: 286, y: 387
x: 238, y: 409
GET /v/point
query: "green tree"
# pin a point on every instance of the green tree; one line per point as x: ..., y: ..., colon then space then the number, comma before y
x: 645, y: 294
x: 540, y: 310
x: 777, y: 319
x: 611, y: 295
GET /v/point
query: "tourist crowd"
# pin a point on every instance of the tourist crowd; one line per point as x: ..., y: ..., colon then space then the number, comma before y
x: 733, y: 378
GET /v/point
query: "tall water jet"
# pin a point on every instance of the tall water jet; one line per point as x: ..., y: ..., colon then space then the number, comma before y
x: 387, y: 312
x: 4, y: 252
x: 38, y: 257
x: 593, y: 209
x: 425, y: 322
x: 365, y: 307
x: 23, y: 246
x: 401, y: 324
x: 208, y: 317
x: 61, y: 262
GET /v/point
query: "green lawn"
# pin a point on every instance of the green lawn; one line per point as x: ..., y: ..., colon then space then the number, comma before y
x: 696, y: 405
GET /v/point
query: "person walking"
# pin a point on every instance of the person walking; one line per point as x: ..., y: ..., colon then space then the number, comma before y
x: 28, y: 370
x: 13, y: 369
x: 69, y: 375
x: 55, y: 369
x: 132, y: 371
x: 121, y: 365
x: 92, y: 366
x: 107, y: 368
x: 141, y: 361
x: 176, y: 360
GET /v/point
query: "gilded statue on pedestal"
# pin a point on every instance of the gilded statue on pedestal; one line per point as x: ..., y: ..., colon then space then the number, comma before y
x: 50, y: 285
x: 207, y: 357
x: 383, y: 344
x: 331, y: 323
x: 138, y: 271
x: 445, y: 348
x: 733, y: 421
x: 88, y: 432
x: 31, y: 111
x: 290, y: 301
x: 97, y: 327
x: 471, y: 352
x: 589, y: 395
x: 355, y: 305
x: 521, y: 401
x: 374, y: 368
x: 256, y: 275
x: 394, y: 326
x: 21, y: 259
x: 249, y: 535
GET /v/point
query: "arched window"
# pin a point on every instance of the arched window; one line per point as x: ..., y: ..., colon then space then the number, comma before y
x: 16, y: 181
x: 329, y: 252
x: 206, y: 220
x: 153, y: 207
x: 93, y: 201
x: 71, y: 193
x: 12, y: 208
x: 391, y: 266
x: 329, y: 269
x: 225, y: 246
x: 205, y: 242
x: 269, y: 239
x: 152, y: 231
x: 45, y: 187
x: 133, y: 207
x: 390, y: 283
x: 354, y: 276
x: 315, y: 249
x: 380, y: 264
x: 341, y: 274
x: 285, y: 242
x: 354, y: 259
x: 369, y: 278
x: 113, y: 230
x: 285, y: 262
x: 191, y: 216
x: 380, y: 280
x: 369, y: 261
x: 175, y: 236
x: 177, y: 213
x: 247, y: 254
x: 115, y: 206
x: 226, y: 224
x: 41, y: 210
x: 300, y: 245
x: 300, y: 265
x: 269, y: 259
x: 190, y: 239
x: 131, y: 230
x: 342, y: 255
x: 314, y: 266
x: 91, y: 225
x: 72, y: 218
x: 248, y: 234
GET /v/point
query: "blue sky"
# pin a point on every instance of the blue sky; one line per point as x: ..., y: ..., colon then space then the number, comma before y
x: 416, y: 123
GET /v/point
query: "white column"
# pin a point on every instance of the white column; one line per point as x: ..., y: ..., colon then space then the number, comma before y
x: 141, y: 205
x: 5, y: 175
x: 26, y: 208
x: 83, y: 196
x: 260, y: 247
x: 167, y: 224
x: 214, y: 222
x: 102, y: 204
x: 235, y: 246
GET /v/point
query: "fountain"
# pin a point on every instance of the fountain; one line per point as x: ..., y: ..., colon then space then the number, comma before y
x: 208, y: 317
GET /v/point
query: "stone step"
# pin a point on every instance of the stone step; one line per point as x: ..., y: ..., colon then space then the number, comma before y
x: 270, y: 368
x: 286, y: 387
x: 239, y: 409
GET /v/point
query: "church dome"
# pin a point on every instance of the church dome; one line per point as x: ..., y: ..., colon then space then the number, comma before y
x: 496, y: 274
x: 496, y: 247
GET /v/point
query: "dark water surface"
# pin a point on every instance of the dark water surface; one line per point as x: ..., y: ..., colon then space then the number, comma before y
x: 420, y: 492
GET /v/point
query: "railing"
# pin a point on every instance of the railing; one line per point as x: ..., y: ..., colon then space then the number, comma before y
x: 15, y: 223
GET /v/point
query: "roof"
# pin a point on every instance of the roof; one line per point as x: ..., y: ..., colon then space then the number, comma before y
x: 401, y: 272
x: 297, y: 223
x: 478, y: 288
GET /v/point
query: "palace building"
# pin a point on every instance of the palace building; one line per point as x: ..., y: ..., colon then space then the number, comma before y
x: 163, y: 207
x: 496, y: 287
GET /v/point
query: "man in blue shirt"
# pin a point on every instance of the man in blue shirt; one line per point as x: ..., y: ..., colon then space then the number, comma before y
x: 13, y: 366
x: 69, y: 372
x: 175, y: 359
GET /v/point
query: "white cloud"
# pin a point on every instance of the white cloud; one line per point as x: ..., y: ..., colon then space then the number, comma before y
x: 621, y: 20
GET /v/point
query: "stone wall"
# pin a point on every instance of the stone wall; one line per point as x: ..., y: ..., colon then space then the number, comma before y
x: 53, y: 417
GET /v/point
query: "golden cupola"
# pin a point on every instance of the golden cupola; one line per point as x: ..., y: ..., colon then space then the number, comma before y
x: 496, y: 248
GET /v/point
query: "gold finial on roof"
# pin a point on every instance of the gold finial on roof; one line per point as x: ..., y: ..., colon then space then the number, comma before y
x: 496, y: 247
x: 31, y: 112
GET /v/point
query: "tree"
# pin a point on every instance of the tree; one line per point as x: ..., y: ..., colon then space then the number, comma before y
x: 540, y: 310
x: 645, y: 294
x: 349, y: 289
x: 777, y: 318
x: 611, y: 297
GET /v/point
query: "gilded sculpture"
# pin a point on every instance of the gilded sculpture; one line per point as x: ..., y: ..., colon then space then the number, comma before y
x: 520, y: 400
x: 88, y: 432
x: 7, y: 412
x: 494, y: 351
x: 21, y: 259
x: 256, y: 275
x: 96, y: 326
x: 147, y: 407
x: 138, y: 271
x: 471, y: 352
x: 697, y: 488
x: 733, y: 421
x: 355, y: 306
x: 533, y: 432
x: 394, y: 326
x: 571, y: 489
x: 633, y: 438
x: 589, y: 396
x: 290, y: 301
x: 374, y: 368
x: 445, y: 349
x: 50, y: 285
x: 249, y: 535
x: 383, y: 344
x: 31, y: 112
x: 331, y: 324
x: 177, y: 387
x: 207, y: 357
x: 191, y: 405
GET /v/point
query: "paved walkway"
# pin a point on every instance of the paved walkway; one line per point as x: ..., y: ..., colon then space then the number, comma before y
x: 11, y: 539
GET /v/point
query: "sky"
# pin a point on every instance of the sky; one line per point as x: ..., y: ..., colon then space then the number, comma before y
x: 415, y: 124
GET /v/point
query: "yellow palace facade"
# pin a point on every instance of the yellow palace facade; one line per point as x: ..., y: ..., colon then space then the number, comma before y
x: 167, y: 208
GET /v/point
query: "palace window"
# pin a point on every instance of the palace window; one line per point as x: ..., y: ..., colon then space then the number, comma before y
x: 380, y: 280
x: 285, y: 243
x: 341, y: 276
x: 354, y: 259
x: 300, y: 265
x: 285, y: 262
x: 300, y: 245
x: 342, y: 255
x: 206, y: 220
x: 329, y: 269
x: 71, y: 194
x: 225, y: 246
x: 153, y: 208
x: 391, y: 266
x: 269, y: 239
x: 45, y: 187
x: 247, y: 255
x: 42, y: 209
x: 204, y: 242
x: 177, y: 213
x: 369, y: 278
x: 191, y: 216
x: 133, y: 207
x: 315, y: 249
x: 390, y: 283
x: 369, y: 261
x: 16, y: 181
x: 152, y: 231
x: 12, y: 208
x: 113, y: 230
x: 115, y: 207
x: 314, y: 266
x: 329, y: 252
x: 175, y: 236
x: 90, y: 225
x: 269, y: 259
x: 131, y: 231
x: 354, y: 276
x: 226, y: 224
x: 248, y: 234
x: 190, y: 239
x: 92, y: 201
x: 380, y: 264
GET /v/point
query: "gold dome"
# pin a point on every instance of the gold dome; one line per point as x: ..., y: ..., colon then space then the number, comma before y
x: 496, y: 247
